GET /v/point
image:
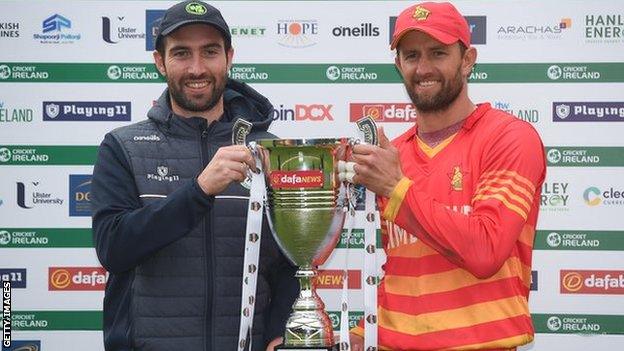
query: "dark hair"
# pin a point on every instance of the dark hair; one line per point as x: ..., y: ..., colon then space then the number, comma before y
x: 160, y: 45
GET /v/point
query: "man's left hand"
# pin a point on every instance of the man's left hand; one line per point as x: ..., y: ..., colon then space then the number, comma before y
x: 377, y: 167
x: 274, y: 343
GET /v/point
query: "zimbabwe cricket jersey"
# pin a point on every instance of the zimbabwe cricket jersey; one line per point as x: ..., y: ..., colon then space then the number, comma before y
x: 458, y: 233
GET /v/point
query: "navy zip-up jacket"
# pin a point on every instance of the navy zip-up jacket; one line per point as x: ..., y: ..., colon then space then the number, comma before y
x: 174, y: 254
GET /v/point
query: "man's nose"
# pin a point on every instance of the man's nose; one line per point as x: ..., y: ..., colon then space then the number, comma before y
x: 424, y: 66
x: 196, y: 66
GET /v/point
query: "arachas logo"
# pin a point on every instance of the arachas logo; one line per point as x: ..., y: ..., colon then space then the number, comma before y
x: 296, y: 179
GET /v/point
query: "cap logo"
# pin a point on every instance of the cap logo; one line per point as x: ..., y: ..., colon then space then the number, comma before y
x: 421, y: 13
x: 196, y: 8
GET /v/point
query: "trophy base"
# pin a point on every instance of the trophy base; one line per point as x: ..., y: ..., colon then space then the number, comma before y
x: 307, y: 348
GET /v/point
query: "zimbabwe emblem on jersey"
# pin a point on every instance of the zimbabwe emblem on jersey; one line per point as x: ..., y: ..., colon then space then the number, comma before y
x: 457, y: 179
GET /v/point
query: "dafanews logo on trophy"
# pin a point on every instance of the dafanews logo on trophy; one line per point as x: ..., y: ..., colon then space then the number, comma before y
x: 333, y: 279
x: 76, y: 278
x: 302, y: 112
x: 588, y: 111
x: 17, y: 276
x: 15, y: 115
x: 297, y: 34
x: 55, y: 31
x: 80, y: 195
x: 296, y: 179
x: 383, y: 111
x: 594, y: 196
x: 87, y: 111
x: 602, y: 282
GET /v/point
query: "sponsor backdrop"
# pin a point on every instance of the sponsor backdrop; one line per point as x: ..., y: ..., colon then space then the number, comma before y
x: 71, y: 71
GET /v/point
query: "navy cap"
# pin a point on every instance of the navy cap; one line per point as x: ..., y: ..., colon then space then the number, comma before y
x: 190, y: 12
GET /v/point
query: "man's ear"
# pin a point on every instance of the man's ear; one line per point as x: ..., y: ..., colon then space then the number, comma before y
x: 469, y: 60
x: 230, y: 56
x: 397, y: 63
x: 159, y: 62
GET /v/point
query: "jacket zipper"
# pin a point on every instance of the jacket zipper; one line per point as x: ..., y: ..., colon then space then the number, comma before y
x: 208, y: 257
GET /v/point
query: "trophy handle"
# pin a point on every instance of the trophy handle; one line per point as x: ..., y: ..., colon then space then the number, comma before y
x: 240, y: 130
x: 367, y: 126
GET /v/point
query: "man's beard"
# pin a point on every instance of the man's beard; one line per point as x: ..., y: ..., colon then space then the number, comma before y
x: 178, y: 95
x: 448, y: 93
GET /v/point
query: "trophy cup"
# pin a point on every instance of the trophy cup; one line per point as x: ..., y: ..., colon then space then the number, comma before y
x: 306, y: 206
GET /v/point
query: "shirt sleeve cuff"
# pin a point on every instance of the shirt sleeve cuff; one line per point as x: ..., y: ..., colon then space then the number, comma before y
x: 357, y: 330
x: 396, y: 199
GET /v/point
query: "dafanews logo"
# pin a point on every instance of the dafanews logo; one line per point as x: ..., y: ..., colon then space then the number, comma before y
x: 476, y: 24
x: 558, y: 324
x: 350, y: 73
x: 56, y: 31
x: 15, y: 115
x: 296, y: 179
x: 22, y: 72
x: 559, y: 156
x: 76, y: 278
x: 132, y: 73
x: 34, y: 194
x: 24, y: 345
x: 588, y: 111
x: 297, y: 33
x: 594, y: 196
x: 9, y: 29
x: 363, y: 30
x: 604, y: 28
x: 17, y: 277
x: 301, y: 112
x: 383, y: 112
x: 115, y: 30
x: 80, y: 195
x: 571, y: 240
x: 333, y: 279
x: 86, y: 111
x: 571, y: 73
x: 555, y: 197
x: 602, y: 282
x: 530, y: 115
x: 534, y: 31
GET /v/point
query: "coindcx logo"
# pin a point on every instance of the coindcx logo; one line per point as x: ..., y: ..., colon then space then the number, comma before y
x: 301, y: 112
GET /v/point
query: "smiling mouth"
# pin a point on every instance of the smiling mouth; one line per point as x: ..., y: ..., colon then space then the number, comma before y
x: 197, y: 84
x: 426, y: 83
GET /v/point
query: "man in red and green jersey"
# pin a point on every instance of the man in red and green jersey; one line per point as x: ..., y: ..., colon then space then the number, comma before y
x: 459, y: 196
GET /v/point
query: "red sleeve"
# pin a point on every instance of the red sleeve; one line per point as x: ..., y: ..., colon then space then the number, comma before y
x: 505, y: 198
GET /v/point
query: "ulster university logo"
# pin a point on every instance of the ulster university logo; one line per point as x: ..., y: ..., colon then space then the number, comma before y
x: 457, y: 179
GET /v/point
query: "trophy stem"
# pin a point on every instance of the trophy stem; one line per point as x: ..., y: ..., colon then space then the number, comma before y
x: 308, y: 325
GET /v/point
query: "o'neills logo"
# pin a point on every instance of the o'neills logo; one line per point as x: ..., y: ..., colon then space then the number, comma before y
x: 332, y: 279
x: 77, y: 278
x: 296, y: 179
x: 592, y: 282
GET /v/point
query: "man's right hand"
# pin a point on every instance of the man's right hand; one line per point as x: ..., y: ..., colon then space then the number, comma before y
x: 357, y: 342
x: 229, y: 164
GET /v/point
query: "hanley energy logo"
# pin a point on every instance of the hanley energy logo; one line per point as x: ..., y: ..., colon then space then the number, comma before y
x: 297, y: 34
x: 602, y: 282
x: 77, y: 278
x: 555, y: 197
x: 588, y: 111
x: 530, y: 115
x: 15, y: 115
x: 604, y: 28
x: 383, y: 112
